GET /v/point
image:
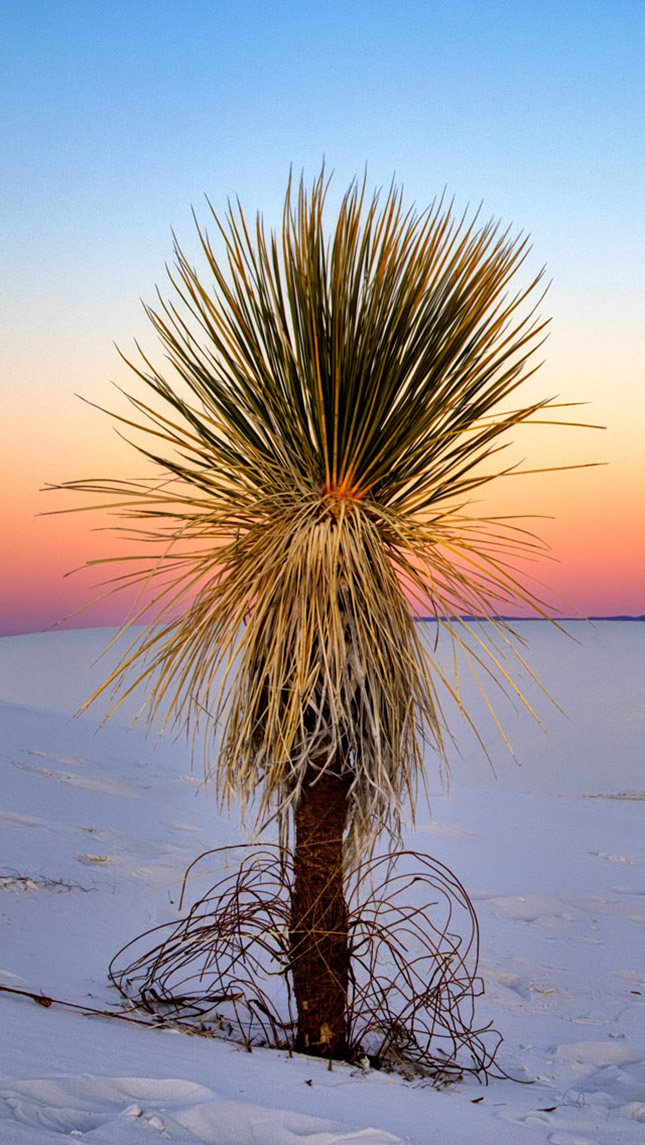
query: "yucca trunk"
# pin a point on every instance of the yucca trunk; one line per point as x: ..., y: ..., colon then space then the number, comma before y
x: 319, y: 935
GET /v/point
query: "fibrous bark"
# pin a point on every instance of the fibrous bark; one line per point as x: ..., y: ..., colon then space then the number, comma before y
x: 318, y: 933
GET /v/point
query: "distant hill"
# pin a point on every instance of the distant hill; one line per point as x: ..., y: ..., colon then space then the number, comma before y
x: 559, y: 619
x: 617, y: 618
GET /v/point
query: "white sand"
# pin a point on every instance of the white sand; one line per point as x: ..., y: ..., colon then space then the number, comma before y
x: 96, y: 832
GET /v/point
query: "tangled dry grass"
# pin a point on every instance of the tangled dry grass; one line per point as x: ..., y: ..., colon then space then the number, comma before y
x: 224, y: 969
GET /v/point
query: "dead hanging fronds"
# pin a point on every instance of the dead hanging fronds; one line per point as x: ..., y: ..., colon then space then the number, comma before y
x: 224, y: 970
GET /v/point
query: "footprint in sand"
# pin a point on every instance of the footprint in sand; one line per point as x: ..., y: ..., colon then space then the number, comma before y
x: 64, y: 760
x: 631, y: 976
x: 611, y: 858
x: 105, y: 785
x: 20, y: 883
x: 523, y: 908
x: 629, y: 796
x: 501, y: 981
x: 634, y: 1110
x: 597, y: 1054
x: 178, y: 826
x: 568, y: 1139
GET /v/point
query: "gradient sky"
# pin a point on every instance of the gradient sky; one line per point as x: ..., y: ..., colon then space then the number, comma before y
x: 118, y: 115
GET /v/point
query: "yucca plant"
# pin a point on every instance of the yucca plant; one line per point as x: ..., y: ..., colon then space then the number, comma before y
x: 331, y: 400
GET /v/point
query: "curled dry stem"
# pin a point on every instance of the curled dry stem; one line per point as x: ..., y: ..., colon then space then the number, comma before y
x: 225, y: 968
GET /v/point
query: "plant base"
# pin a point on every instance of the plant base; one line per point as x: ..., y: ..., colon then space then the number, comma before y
x: 226, y: 969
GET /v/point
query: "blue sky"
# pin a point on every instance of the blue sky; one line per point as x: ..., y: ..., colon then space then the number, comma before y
x: 120, y: 115
x: 117, y: 117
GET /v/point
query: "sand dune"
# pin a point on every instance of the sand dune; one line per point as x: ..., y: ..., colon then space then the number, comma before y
x: 97, y: 830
